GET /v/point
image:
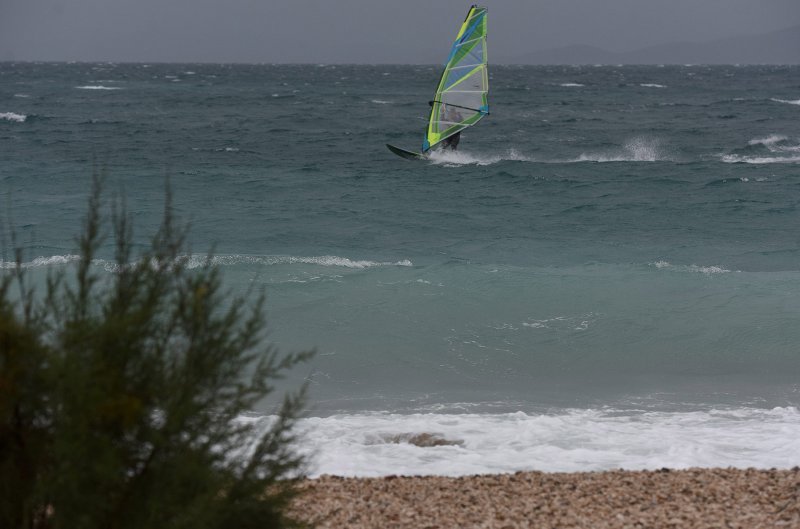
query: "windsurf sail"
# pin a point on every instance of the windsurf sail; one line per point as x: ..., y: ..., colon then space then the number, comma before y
x: 461, y: 98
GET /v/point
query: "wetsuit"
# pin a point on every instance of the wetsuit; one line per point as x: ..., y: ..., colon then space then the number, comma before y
x: 452, y: 142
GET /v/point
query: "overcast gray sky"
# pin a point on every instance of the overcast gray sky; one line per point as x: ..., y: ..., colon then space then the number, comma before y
x: 357, y: 31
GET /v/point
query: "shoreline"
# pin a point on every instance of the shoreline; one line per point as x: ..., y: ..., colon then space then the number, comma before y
x: 695, y: 497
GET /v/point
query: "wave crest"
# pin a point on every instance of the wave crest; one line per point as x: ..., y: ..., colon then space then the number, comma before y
x: 639, y: 149
x: 707, y: 270
x: 98, y: 87
x: 198, y: 261
x: 12, y: 116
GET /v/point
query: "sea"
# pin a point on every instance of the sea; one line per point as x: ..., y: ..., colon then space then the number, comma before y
x: 605, y: 275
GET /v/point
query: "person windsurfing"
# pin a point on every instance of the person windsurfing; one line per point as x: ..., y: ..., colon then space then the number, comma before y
x: 452, y: 115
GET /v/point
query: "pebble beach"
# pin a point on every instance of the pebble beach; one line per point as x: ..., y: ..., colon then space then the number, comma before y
x: 692, y: 498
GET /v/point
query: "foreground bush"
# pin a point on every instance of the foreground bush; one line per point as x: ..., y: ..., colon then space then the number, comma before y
x: 119, y: 395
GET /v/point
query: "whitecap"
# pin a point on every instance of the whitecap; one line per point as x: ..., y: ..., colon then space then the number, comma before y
x: 759, y: 160
x: 707, y: 270
x: 11, y: 116
x: 571, y: 84
x: 769, y: 140
x: 38, y: 262
x: 380, y: 102
x: 788, y: 102
x: 638, y: 149
x: 652, y: 85
x: 98, y: 87
x: 22, y: 95
x: 450, y: 158
x: 196, y: 261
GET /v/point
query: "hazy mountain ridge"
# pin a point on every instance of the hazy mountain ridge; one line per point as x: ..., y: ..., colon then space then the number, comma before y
x: 778, y: 47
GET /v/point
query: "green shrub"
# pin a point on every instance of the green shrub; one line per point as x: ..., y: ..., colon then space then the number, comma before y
x: 119, y: 395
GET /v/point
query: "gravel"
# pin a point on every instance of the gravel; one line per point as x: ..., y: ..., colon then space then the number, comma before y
x: 693, y: 498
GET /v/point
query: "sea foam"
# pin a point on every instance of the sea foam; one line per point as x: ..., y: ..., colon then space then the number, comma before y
x: 98, y: 87
x: 450, y: 158
x: 708, y: 270
x: 11, y: 116
x: 271, y: 260
x: 378, y: 444
x: 639, y: 149
x: 789, y: 102
x: 200, y: 260
x: 781, y: 146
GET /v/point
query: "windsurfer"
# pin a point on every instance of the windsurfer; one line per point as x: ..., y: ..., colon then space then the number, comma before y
x: 452, y: 115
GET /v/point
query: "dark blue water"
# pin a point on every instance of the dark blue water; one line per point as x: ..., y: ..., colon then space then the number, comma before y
x: 621, y: 237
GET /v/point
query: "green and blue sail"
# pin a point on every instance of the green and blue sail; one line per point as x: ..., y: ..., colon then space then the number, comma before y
x: 461, y: 98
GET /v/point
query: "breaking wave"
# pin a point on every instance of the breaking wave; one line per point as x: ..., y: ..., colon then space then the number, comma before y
x: 198, y: 261
x: 456, y: 444
x: 638, y: 149
x: 11, y: 116
x: 708, y: 270
x: 456, y: 158
x: 788, y: 102
x: 98, y: 87
x: 775, y: 148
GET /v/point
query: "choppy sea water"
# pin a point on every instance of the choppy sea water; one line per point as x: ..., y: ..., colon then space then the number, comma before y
x: 607, y: 274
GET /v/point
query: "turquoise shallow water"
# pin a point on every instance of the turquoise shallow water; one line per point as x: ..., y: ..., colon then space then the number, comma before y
x: 609, y: 236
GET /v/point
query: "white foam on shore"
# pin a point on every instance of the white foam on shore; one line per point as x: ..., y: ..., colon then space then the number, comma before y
x: 376, y: 444
x: 11, y: 116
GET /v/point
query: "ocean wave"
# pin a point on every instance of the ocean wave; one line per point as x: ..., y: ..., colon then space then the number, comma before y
x: 200, y: 260
x: 652, y: 85
x: 379, y: 444
x: 98, y: 87
x: 380, y: 102
x: 11, y: 116
x: 271, y: 260
x: 563, y: 323
x: 450, y: 158
x: 769, y: 141
x: 38, y: 262
x: 708, y: 270
x: 775, y: 148
x: 571, y: 84
x: 734, y: 158
x: 638, y: 149
x: 789, y: 102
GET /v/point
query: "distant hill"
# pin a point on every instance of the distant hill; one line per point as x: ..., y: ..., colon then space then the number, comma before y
x: 779, y: 47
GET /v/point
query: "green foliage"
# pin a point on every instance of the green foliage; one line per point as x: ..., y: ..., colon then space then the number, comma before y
x: 119, y: 397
